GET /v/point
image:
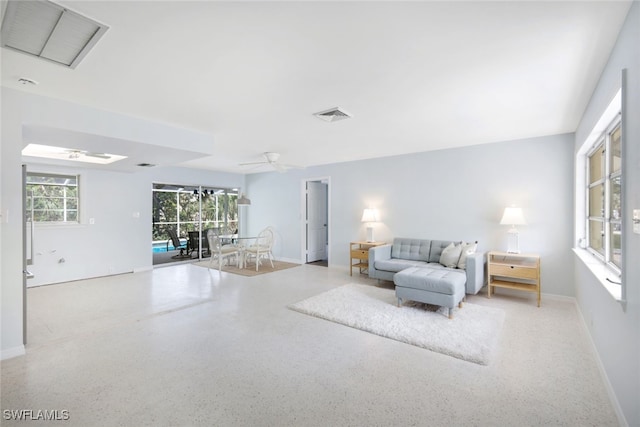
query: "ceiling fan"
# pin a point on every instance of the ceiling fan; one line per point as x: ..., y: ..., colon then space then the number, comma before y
x: 272, y: 159
x: 74, y: 154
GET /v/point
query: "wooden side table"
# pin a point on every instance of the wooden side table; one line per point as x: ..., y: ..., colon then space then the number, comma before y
x: 513, y: 271
x: 360, y: 254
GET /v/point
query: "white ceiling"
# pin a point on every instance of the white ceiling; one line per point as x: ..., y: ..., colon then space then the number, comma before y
x: 416, y: 76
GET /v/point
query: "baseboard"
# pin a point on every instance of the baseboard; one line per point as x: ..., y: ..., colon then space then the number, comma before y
x: 141, y: 269
x: 291, y: 260
x: 556, y: 297
x: 12, y: 352
x: 607, y: 384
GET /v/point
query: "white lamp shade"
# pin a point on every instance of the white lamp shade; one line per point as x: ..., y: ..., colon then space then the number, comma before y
x: 513, y: 216
x: 370, y: 215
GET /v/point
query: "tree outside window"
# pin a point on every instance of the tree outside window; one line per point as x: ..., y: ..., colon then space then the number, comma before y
x: 52, y: 198
x: 192, y: 209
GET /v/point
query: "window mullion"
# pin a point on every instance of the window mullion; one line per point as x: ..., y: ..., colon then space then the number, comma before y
x: 607, y: 198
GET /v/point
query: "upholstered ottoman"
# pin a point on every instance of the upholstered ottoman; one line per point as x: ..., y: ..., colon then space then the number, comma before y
x: 437, y: 286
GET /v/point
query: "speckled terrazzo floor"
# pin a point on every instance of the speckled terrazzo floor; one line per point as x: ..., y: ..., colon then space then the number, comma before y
x: 186, y: 346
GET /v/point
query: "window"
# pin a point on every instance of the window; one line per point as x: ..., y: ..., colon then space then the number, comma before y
x: 52, y: 198
x: 604, y: 196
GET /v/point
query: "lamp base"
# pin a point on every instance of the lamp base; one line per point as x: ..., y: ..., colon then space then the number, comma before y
x: 513, y: 244
x: 370, y: 235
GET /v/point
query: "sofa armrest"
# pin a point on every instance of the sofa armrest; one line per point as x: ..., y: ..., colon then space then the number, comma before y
x: 377, y: 253
x: 475, y: 272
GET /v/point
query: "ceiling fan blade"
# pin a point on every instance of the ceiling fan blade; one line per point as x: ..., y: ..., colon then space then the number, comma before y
x: 279, y: 167
x: 252, y: 163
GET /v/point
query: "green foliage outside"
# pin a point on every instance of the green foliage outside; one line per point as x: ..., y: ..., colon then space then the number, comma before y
x: 52, y: 198
x: 179, y: 210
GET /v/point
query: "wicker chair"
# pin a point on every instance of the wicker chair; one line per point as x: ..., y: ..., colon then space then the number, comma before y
x: 261, y: 248
x: 219, y: 251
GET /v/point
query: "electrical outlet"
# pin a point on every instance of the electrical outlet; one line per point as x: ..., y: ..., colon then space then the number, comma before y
x: 636, y: 221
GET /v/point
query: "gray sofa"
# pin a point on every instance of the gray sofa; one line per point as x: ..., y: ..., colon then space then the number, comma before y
x: 387, y: 260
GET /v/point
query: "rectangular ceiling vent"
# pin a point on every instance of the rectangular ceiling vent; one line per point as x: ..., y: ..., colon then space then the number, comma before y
x: 49, y: 31
x: 333, y: 115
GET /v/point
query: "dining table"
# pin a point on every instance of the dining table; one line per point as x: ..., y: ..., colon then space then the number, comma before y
x: 241, y: 244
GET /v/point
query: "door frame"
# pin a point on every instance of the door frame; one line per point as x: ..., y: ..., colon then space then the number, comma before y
x: 25, y: 271
x: 304, y: 215
x: 27, y: 251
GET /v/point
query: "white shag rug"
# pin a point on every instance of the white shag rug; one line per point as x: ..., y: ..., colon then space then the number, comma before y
x: 471, y: 335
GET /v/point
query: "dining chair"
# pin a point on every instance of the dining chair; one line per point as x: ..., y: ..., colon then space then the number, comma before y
x: 220, y: 251
x: 261, y: 248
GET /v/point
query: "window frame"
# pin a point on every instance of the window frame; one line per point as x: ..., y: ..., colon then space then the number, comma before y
x: 604, y: 142
x: 65, y: 209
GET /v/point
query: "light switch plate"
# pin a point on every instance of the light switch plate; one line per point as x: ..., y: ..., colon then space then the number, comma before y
x: 636, y: 221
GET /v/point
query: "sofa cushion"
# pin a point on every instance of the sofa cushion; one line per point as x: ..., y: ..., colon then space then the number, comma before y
x: 411, y: 249
x: 451, y: 255
x: 440, y: 280
x: 437, y: 246
x: 467, y: 249
x: 397, y: 264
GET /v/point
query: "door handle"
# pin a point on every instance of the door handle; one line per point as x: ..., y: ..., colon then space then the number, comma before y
x: 28, y: 274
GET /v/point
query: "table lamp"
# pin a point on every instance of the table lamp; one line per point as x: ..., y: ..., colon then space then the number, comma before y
x: 370, y: 216
x: 513, y: 216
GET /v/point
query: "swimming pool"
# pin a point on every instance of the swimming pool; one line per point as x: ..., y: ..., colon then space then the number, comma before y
x: 162, y: 246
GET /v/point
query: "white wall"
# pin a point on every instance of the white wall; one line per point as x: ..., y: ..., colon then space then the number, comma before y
x: 616, y: 333
x: 11, y: 234
x: 456, y: 194
x: 117, y: 242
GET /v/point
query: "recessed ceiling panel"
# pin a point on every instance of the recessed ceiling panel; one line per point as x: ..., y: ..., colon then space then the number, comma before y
x: 49, y: 31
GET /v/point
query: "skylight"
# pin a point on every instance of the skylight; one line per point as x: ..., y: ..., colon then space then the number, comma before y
x: 71, y: 154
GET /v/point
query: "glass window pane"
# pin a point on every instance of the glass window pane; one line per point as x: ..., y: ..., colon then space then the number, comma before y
x: 615, y: 252
x: 55, y: 203
x: 72, y: 204
x: 165, y: 207
x: 596, y: 236
x: 189, y: 207
x: 616, y: 150
x: 596, y: 165
x: 58, y: 180
x: 596, y: 201
x: 616, y: 197
x: 208, y: 208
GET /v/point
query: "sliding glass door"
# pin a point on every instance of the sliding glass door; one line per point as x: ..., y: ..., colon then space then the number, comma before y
x: 190, y: 211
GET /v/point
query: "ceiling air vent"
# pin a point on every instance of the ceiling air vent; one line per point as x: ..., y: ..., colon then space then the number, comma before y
x: 333, y: 115
x: 49, y: 31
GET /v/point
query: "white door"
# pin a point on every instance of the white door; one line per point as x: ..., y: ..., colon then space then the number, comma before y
x: 316, y: 221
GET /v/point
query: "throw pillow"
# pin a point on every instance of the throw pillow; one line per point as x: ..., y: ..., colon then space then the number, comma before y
x: 450, y: 255
x: 467, y: 249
